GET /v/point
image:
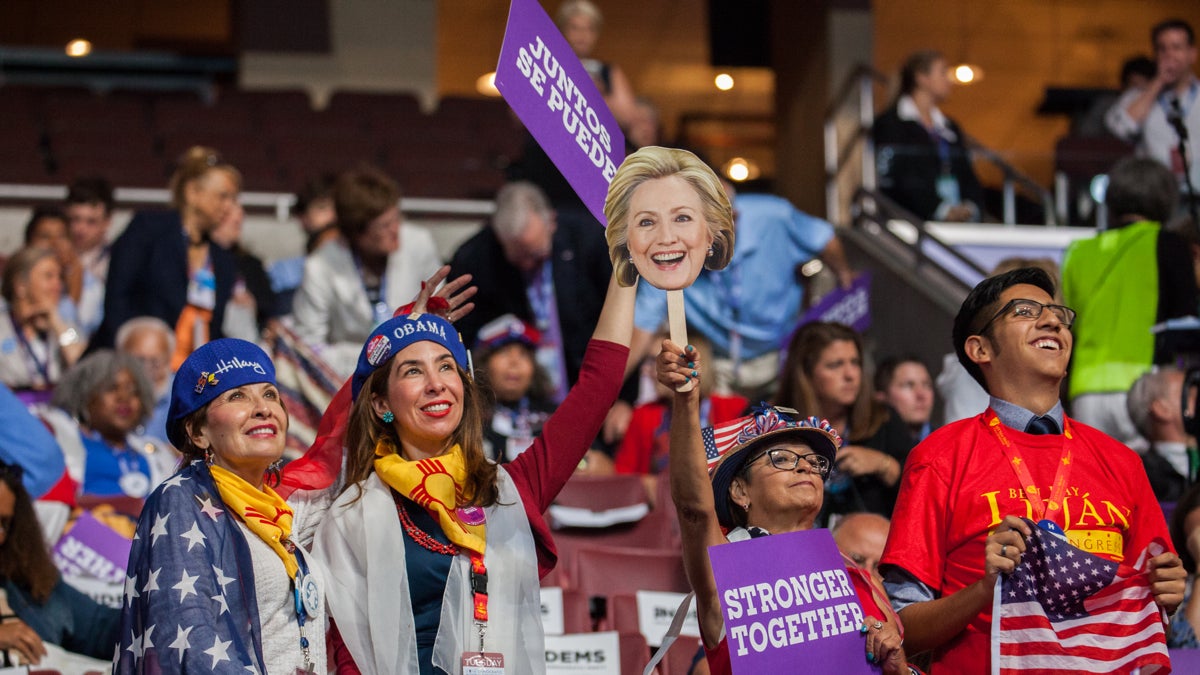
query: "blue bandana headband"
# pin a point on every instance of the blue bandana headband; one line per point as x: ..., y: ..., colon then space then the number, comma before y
x: 210, y: 371
x: 398, y: 332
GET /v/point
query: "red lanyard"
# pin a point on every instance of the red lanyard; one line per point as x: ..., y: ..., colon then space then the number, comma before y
x: 1058, y: 490
x: 479, y: 578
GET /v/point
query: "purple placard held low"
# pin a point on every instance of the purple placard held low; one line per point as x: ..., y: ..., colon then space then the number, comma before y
x: 850, y: 306
x: 549, y: 89
x: 788, y: 600
x: 1185, y: 660
x: 92, y: 549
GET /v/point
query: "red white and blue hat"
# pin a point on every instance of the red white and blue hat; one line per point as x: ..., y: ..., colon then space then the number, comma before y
x: 726, y: 445
x: 505, y: 330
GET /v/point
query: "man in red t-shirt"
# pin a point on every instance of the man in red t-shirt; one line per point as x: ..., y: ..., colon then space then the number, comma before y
x: 957, y: 524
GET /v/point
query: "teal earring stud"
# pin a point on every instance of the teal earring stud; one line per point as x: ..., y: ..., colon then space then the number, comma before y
x: 388, y: 417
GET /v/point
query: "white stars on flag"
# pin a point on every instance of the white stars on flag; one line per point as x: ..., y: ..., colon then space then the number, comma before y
x: 160, y: 527
x: 181, y: 641
x: 194, y: 536
x: 219, y: 651
x: 186, y: 585
x: 152, y: 581
x: 208, y: 508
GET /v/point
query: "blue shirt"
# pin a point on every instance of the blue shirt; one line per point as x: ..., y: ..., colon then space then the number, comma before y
x: 106, y: 466
x: 757, y: 294
x: 427, y: 575
x: 24, y: 440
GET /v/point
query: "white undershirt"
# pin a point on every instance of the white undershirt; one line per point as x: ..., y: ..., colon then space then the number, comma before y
x: 277, y: 612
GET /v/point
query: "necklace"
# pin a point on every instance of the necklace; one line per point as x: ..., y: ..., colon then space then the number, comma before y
x: 422, y: 538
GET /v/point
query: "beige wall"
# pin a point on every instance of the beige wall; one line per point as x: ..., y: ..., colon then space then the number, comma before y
x: 379, y: 45
x: 1023, y: 46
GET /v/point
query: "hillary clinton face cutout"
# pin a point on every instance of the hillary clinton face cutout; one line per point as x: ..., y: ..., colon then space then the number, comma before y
x: 668, y: 216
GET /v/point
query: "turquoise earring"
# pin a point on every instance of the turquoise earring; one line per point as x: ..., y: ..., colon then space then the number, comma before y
x: 388, y: 417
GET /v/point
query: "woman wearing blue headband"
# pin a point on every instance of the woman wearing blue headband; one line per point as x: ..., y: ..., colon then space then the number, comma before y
x: 216, y: 581
x: 434, y: 553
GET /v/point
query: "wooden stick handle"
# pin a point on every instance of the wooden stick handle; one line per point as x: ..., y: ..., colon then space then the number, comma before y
x: 678, y: 322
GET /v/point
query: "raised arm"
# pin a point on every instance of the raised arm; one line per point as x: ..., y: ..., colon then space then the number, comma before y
x: 616, y: 317
x: 691, y: 489
x: 541, y: 471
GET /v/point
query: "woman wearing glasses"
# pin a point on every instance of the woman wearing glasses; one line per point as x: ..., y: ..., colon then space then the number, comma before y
x: 770, y: 480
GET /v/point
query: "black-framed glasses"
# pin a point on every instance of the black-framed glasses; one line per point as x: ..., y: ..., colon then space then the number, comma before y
x: 786, y: 460
x: 1024, y: 308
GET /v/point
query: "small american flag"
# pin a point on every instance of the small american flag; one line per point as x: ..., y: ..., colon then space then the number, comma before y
x: 1066, y: 610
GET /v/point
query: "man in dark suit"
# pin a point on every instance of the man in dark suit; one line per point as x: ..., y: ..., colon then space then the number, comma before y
x: 550, y: 270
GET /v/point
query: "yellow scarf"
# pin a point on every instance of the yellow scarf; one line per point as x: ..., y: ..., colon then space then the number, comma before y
x: 436, y: 484
x: 263, y: 511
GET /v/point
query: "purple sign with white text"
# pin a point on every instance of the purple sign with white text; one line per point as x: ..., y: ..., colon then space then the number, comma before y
x: 849, y: 306
x: 545, y: 84
x: 787, y: 600
x: 92, y: 549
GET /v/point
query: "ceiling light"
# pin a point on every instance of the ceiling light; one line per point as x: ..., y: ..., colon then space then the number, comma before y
x: 78, y: 47
x: 966, y: 73
x: 740, y: 169
x: 724, y: 81
x: 486, y: 84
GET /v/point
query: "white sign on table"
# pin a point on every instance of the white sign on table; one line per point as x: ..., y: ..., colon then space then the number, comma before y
x: 552, y: 611
x: 656, y: 610
x: 583, y: 653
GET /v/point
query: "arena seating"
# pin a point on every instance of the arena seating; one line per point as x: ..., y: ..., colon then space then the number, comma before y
x: 275, y: 138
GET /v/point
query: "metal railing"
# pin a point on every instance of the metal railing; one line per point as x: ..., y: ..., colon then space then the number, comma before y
x: 858, y: 92
x: 278, y: 203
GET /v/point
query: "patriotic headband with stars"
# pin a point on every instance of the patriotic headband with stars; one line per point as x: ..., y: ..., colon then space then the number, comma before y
x: 725, y: 445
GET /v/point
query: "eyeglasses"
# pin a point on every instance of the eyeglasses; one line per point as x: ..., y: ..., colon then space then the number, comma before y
x: 1024, y: 308
x: 786, y: 460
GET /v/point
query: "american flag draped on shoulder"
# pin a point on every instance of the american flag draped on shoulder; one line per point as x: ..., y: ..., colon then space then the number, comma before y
x: 1066, y: 610
x: 190, y: 603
